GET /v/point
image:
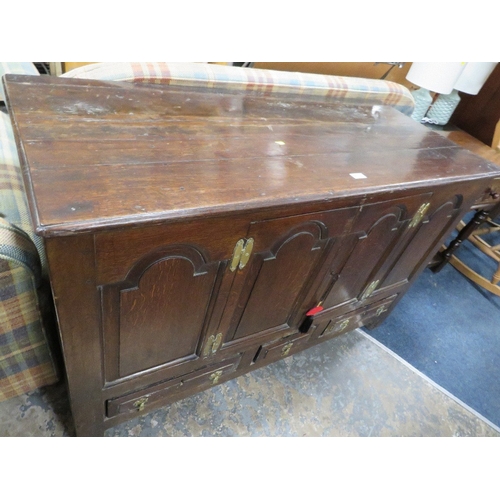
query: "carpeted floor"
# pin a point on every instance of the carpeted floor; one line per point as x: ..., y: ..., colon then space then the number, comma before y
x: 348, y: 386
x: 448, y: 328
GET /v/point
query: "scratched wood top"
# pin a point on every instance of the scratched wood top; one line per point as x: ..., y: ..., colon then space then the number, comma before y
x: 99, y: 154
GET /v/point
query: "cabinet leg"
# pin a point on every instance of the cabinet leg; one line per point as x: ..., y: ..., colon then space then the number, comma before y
x: 87, y: 412
x: 77, y: 301
x: 96, y: 430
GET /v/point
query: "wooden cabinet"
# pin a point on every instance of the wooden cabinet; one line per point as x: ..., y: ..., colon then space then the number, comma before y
x: 182, y: 310
x: 189, y: 247
x: 250, y: 286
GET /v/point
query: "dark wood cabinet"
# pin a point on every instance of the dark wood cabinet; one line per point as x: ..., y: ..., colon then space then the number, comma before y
x: 188, y: 247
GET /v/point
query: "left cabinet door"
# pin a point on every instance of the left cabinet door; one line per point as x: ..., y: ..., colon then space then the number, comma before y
x: 162, y: 288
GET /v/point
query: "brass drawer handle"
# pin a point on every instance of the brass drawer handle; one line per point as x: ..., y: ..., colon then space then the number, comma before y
x: 215, y: 377
x: 343, y: 325
x: 139, y: 404
x: 380, y: 310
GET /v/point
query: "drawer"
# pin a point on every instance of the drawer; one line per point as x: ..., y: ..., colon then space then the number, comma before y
x: 491, y: 194
x: 282, y: 348
x: 354, y: 319
x: 141, y: 401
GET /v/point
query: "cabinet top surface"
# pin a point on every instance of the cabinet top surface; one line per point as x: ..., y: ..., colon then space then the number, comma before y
x: 99, y: 154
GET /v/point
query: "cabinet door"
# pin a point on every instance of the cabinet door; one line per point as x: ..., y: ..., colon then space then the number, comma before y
x: 372, y: 248
x: 414, y: 252
x: 163, y: 290
x: 159, y: 311
x: 270, y: 294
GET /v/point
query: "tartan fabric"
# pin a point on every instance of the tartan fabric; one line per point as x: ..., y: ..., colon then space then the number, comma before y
x: 18, y: 248
x: 344, y: 89
x: 15, y: 68
x: 13, y: 202
x: 25, y: 357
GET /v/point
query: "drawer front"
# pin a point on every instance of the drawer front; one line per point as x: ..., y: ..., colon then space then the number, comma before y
x: 355, y: 319
x: 144, y: 399
x: 274, y: 351
x: 491, y: 194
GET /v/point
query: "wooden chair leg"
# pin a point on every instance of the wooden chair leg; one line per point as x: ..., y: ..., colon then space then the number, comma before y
x: 473, y: 232
x: 495, y: 143
x: 473, y: 276
x: 496, y: 276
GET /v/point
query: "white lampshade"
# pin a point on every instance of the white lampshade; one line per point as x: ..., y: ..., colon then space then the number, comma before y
x: 474, y: 76
x: 437, y: 77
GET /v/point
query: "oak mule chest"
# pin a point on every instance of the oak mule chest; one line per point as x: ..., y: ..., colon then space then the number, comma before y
x: 194, y: 235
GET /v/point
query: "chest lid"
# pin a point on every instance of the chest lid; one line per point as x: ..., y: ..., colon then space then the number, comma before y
x: 101, y: 154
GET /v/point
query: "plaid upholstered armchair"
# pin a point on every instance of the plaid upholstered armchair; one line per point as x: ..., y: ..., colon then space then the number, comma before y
x: 28, y: 345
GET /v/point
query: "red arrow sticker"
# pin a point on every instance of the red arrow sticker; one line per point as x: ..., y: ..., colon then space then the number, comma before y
x: 314, y: 310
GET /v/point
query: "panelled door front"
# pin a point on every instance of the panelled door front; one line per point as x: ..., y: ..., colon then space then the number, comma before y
x: 378, y: 237
x: 269, y: 294
x: 162, y: 290
x: 174, y: 295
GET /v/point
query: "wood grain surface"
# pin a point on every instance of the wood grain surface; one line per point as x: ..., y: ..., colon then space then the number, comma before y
x: 111, y: 153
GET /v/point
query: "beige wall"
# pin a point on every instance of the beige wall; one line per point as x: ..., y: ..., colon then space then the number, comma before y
x: 68, y: 66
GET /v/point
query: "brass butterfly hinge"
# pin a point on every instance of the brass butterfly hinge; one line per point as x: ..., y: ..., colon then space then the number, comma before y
x: 241, y: 254
x: 212, y: 345
x: 370, y: 289
x: 419, y: 215
x: 285, y: 351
